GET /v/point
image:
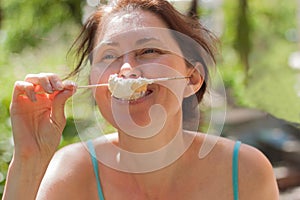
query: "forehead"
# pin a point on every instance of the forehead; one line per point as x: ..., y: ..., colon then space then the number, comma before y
x: 122, y: 22
x: 138, y: 27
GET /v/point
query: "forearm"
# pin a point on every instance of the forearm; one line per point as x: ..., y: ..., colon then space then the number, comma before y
x: 23, y: 179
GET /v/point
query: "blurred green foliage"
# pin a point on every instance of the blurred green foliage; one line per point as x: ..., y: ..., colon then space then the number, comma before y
x: 27, y: 22
x: 36, y: 34
x: 270, y: 83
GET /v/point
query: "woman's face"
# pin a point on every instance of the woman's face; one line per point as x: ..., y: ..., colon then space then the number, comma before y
x: 132, y: 45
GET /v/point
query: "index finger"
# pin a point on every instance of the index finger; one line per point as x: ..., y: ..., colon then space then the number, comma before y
x: 22, y: 88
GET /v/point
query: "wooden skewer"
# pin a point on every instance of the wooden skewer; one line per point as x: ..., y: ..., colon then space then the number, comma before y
x: 92, y: 86
x: 150, y: 81
x: 169, y: 78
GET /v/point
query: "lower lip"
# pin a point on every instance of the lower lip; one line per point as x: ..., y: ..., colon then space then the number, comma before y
x: 136, y: 101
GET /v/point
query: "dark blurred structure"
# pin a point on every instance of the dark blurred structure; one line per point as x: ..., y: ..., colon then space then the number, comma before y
x: 193, y: 10
x: 1, y: 14
x: 279, y: 140
x: 243, y: 34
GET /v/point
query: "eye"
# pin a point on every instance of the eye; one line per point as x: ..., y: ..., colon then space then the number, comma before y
x: 109, y: 56
x: 151, y: 51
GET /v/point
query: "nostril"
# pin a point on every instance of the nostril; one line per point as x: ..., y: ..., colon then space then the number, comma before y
x: 129, y: 75
x: 133, y: 76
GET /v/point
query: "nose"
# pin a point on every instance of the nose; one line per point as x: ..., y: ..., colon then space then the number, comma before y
x: 129, y: 67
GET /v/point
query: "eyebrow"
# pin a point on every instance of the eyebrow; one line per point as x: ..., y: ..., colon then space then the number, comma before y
x: 146, y: 40
x: 108, y: 43
x: 137, y: 43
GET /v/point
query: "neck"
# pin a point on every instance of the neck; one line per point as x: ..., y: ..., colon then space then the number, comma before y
x: 159, y: 182
x: 155, y: 138
x: 155, y: 160
x: 142, y: 155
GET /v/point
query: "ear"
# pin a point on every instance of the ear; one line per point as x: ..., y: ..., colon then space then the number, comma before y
x: 195, y: 81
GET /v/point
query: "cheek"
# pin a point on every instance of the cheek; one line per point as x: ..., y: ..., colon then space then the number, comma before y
x: 96, y: 76
x: 179, y: 65
x: 171, y: 102
x: 102, y: 96
x: 176, y: 66
x: 103, y: 101
x: 100, y: 72
x: 99, y: 75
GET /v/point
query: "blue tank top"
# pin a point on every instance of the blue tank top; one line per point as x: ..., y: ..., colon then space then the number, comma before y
x: 96, y: 168
x: 235, y: 172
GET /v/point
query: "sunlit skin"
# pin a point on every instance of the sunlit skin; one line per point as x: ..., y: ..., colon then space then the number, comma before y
x: 70, y: 173
x: 146, y: 54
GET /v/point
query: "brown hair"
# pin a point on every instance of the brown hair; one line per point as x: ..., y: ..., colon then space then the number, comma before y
x: 176, y: 21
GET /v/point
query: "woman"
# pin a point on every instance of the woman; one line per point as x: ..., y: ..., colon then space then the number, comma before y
x: 132, y: 38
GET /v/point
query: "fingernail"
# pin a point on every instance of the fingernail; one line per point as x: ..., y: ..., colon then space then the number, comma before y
x: 70, y: 83
x: 49, y: 88
x: 74, y: 84
x: 59, y: 86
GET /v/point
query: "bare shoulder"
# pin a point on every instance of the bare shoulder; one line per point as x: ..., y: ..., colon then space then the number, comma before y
x: 256, y: 174
x: 255, y: 170
x: 70, y: 173
x: 64, y: 173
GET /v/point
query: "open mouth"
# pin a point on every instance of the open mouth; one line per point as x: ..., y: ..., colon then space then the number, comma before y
x: 136, y: 96
x: 129, y: 89
x: 139, y: 95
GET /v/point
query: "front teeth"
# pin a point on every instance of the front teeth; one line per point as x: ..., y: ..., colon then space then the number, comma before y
x: 134, y: 96
x: 137, y: 95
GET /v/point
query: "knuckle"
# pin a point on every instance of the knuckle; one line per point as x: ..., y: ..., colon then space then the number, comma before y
x: 30, y: 76
x: 42, y: 78
x: 47, y: 74
x: 17, y: 83
x: 20, y: 84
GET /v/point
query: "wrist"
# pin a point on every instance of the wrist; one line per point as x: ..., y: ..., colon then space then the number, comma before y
x: 24, y: 177
x: 31, y: 157
x: 33, y: 164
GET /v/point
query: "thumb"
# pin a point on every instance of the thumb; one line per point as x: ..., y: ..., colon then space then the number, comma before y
x: 59, y: 101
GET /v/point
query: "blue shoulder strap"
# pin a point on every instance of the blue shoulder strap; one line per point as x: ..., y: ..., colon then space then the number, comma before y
x: 235, y: 173
x: 235, y: 170
x: 96, y: 168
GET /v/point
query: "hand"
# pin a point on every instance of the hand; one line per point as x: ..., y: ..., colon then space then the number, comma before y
x: 37, y: 115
